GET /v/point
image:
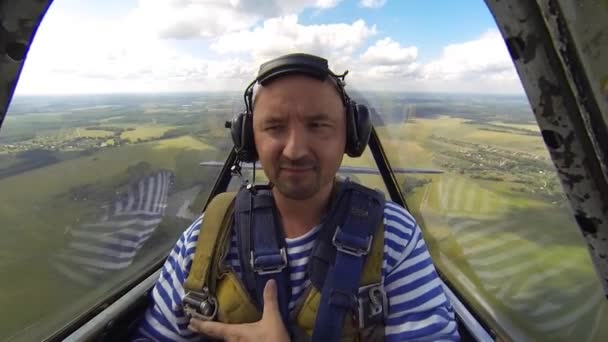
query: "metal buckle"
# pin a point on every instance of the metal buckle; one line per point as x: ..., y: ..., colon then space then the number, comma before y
x: 373, y: 305
x: 261, y: 270
x: 201, y: 305
x: 349, y: 249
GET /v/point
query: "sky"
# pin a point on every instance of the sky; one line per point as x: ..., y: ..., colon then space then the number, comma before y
x: 150, y: 46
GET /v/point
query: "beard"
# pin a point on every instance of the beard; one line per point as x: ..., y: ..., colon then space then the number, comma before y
x: 298, y: 186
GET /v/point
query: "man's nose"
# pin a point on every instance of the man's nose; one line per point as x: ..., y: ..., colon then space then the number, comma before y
x: 296, y: 146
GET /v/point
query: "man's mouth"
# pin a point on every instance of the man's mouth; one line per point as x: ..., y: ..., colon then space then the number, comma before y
x: 296, y: 169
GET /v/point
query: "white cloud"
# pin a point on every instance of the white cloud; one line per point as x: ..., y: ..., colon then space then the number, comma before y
x: 372, y: 3
x: 389, y: 52
x: 408, y: 71
x: 485, y: 57
x: 384, y: 62
x: 107, y: 57
x: 480, y: 65
x: 192, y: 19
x: 337, y: 42
x: 327, y: 3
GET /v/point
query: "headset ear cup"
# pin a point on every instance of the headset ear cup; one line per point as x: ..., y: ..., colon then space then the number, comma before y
x: 249, y: 154
x: 241, y: 131
x: 236, y: 129
x: 359, y: 129
x: 351, y: 129
x: 364, y: 127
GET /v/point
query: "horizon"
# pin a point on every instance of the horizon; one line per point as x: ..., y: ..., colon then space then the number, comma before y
x: 202, y: 92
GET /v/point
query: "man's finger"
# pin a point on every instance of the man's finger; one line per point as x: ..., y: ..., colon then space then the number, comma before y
x: 213, y: 329
x: 271, y: 302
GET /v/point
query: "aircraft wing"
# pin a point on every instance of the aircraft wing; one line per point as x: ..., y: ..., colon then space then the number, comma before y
x: 344, y: 168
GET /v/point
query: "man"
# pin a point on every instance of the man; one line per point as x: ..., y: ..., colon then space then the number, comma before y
x: 300, y: 124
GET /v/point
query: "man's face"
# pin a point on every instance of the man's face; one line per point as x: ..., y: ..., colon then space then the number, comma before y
x: 299, y: 128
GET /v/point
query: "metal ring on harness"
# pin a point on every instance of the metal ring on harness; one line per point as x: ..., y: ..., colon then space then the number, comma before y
x: 201, y: 305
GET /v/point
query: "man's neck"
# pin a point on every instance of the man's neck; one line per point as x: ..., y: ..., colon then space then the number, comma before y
x: 298, y: 217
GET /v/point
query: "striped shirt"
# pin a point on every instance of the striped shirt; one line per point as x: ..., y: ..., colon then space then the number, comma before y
x: 418, y: 308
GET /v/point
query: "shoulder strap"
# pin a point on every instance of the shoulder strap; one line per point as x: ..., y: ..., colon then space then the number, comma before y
x: 323, y: 254
x: 262, y: 250
x: 214, y: 227
x: 360, y: 212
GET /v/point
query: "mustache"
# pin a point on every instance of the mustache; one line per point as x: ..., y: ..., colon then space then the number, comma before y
x: 301, y: 163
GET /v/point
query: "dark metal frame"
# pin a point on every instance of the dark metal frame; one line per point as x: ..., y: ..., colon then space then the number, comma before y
x: 19, y: 21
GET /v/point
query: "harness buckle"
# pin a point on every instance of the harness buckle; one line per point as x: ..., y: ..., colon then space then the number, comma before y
x: 269, y: 264
x: 200, y: 304
x: 349, y: 244
x: 373, y: 305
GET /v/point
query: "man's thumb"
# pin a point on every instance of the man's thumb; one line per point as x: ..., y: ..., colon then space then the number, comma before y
x: 271, y: 302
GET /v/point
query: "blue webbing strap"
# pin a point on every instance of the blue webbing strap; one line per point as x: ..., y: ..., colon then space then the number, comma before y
x: 243, y: 239
x: 266, y: 257
x: 323, y: 252
x: 352, y: 241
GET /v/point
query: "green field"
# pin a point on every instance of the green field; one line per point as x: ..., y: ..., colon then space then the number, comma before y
x: 145, y: 132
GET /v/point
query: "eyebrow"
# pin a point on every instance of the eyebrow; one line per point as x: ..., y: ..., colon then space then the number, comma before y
x: 277, y: 119
x: 319, y: 117
x: 273, y: 119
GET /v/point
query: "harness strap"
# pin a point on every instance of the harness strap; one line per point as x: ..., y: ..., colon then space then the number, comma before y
x: 209, y: 235
x: 262, y: 249
x: 323, y: 252
x: 352, y: 242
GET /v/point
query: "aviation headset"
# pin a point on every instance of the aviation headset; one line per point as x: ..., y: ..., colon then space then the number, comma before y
x: 358, y: 121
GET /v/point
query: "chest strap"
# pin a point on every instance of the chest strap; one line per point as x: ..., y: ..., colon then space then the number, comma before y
x: 360, y: 210
x: 262, y: 249
x: 200, y: 285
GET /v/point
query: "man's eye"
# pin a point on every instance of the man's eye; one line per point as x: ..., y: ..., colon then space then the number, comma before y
x: 273, y: 128
x: 320, y: 125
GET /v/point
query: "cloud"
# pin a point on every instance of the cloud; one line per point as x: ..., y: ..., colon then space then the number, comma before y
x: 485, y: 57
x: 105, y: 57
x: 372, y: 3
x: 337, y: 42
x: 192, y: 19
x: 479, y: 65
x: 386, y: 60
x: 389, y: 52
x: 408, y: 71
x: 327, y: 3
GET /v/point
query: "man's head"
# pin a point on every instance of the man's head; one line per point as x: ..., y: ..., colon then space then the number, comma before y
x: 299, y: 128
x: 301, y: 124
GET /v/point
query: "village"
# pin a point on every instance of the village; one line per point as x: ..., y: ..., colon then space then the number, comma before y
x: 532, y: 173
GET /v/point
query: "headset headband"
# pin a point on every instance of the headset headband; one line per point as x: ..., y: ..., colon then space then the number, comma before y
x: 295, y: 63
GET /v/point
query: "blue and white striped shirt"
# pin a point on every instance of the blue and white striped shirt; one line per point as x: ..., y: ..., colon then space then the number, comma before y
x: 418, y: 308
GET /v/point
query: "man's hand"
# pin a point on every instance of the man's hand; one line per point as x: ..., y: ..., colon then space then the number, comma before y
x: 269, y: 329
